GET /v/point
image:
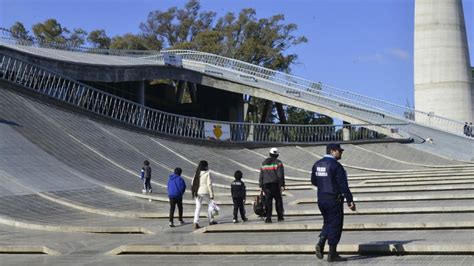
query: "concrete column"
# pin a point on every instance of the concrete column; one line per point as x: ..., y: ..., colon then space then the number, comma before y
x: 443, y: 82
x: 237, y: 109
x: 141, y: 92
x: 180, y: 91
x: 267, y: 109
x: 281, y: 113
x: 346, y: 132
x: 192, y: 87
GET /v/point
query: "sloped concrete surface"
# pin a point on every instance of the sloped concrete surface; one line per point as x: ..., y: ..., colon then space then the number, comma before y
x: 69, y: 186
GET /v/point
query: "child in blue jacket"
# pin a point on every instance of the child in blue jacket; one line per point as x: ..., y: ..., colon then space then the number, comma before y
x: 176, y: 188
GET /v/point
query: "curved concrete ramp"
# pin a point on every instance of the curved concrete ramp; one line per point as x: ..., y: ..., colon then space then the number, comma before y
x: 69, y: 182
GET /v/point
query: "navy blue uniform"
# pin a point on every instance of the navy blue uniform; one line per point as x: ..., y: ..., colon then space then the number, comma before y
x: 331, y: 179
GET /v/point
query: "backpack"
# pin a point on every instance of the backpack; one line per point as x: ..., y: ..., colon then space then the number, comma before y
x: 259, y: 206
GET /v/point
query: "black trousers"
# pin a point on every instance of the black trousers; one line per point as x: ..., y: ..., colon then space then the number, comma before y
x: 273, y: 191
x: 239, y: 207
x: 173, y: 203
x: 333, y: 217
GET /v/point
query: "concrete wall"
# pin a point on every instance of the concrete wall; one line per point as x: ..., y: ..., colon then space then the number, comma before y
x: 443, y: 82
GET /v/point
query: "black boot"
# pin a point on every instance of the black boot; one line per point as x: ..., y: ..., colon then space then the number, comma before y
x: 333, y: 256
x: 320, y: 247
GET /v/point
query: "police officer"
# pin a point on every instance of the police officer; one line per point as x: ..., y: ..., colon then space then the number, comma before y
x: 331, y: 179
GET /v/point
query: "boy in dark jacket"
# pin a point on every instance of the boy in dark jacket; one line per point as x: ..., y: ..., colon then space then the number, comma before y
x: 146, y: 177
x: 239, y: 194
x: 176, y: 188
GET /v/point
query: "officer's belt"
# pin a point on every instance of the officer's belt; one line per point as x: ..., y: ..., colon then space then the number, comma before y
x: 331, y: 196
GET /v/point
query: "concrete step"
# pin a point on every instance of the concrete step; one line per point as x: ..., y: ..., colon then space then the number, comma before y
x: 309, y: 227
x: 455, y: 196
x: 362, y: 249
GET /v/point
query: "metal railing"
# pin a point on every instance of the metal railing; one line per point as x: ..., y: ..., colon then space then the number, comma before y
x: 66, y: 90
x: 345, y: 102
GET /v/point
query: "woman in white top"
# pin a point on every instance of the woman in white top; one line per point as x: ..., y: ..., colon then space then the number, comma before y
x: 202, y: 190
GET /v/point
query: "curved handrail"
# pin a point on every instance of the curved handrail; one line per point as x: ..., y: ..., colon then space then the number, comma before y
x: 85, y: 97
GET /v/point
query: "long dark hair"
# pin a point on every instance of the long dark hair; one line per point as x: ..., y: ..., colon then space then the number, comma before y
x: 195, y: 186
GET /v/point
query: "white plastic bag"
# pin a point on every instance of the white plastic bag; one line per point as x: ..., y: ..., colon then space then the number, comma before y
x: 214, y: 208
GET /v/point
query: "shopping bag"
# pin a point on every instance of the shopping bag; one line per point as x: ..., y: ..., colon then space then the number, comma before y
x: 214, y: 208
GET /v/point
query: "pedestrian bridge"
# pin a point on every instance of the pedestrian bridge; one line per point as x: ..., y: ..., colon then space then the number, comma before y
x: 446, y: 135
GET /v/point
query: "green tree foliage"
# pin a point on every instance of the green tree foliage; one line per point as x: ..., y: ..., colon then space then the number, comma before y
x: 77, y: 37
x: 177, y: 27
x: 99, y: 39
x: 19, y: 32
x: 243, y: 37
x: 134, y: 42
x: 301, y: 116
x: 49, y: 31
x: 259, y: 41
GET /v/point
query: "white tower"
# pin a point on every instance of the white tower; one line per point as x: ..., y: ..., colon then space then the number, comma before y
x: 443, y: 81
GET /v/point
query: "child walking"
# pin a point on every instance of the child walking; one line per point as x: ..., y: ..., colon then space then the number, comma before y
x: 239, y: 193
x: 146, y: 177
x: 176, y: 188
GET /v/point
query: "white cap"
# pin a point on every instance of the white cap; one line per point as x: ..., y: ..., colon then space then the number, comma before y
x: 274, y: 151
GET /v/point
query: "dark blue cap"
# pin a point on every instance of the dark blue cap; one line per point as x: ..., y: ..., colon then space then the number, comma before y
x: 333, y: 146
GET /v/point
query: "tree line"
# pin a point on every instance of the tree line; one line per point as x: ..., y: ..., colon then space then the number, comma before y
x: 243, y: 36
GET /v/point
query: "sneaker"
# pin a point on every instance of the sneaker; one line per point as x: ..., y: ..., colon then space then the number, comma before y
x: 245, y: 220
x: 281, y: 219
x: 212, y: 222
x: 149, y: 191
x: 268, y: 221
x: 196, y: 226
x: 170, y: 224
x: 235, y: 221
x: 182, y: 223
x: 143, y: 191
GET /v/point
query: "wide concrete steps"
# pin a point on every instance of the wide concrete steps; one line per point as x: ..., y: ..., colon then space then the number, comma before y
x: 414, y: 210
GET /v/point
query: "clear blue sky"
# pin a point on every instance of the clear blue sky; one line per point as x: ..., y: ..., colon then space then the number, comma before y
x: 365, y: 46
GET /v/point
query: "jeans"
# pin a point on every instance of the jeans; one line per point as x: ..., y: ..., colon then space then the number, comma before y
x: 173, y: 203
x: 147, y: 184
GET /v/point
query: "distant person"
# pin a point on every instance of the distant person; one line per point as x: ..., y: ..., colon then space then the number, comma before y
x: 176, y: 188
x: 272, y: 184
x: 466, y: 129
x: 202, y: 190
x: 146, y: 177
x: 330, y: 177
x: 239, y: 194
